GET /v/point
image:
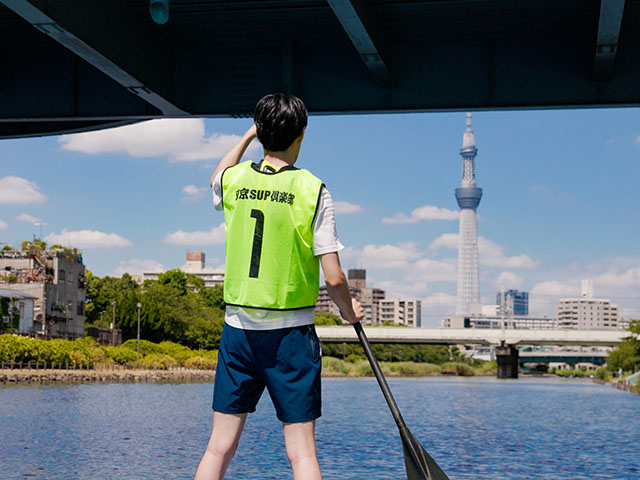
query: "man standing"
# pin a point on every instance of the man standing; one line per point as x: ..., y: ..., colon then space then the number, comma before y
x: 279, y: 226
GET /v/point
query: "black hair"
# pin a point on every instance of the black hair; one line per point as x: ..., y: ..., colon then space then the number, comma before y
x: 280, y: 118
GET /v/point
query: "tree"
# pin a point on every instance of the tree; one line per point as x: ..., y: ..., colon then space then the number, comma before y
x: 175, y: 279
x: 627, y: 355
x: 213, y: 297
x: 326, y: 318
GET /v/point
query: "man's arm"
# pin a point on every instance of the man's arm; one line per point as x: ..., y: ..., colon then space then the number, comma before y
x: 233, y: 156
x: 338, y: 288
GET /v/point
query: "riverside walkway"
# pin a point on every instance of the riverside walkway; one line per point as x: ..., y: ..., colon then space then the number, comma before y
x: 475, y: 336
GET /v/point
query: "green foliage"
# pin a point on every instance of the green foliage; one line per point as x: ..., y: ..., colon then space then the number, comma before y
x: 36, y: 243
x: 175, y: 279
x: 213, y: 297
x: 485, y: 368
x: 327, y: 319
x: 391, y: 323
x: 411, y: 369
x: 11, y: 313
x: 158, y: 360
x: 201, y: 362
x: 571, y: 373
x: 335, y: 365
x: 353, y: 358
x: 457, y: 368
x: 437, y: 354
x: 170, y: 311
x: 88, y: 353
x: 602, y: 373
x: 120, y: 355
x: 627, y: 354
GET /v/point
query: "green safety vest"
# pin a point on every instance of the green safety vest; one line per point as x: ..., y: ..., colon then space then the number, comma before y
x: 269, y: 220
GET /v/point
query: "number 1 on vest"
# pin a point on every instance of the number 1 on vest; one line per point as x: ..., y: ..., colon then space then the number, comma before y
x: 256, y: 250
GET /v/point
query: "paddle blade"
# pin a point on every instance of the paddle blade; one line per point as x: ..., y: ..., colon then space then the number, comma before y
x: 419, y: 464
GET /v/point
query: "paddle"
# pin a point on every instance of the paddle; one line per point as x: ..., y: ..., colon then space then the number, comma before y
x: 419, y: 464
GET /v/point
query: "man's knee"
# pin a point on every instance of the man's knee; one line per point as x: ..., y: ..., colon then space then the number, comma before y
x: 223, y: 447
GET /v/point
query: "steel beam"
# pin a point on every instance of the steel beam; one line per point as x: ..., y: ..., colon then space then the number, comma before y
x: 608, y: 33
x: 358, y: 22
x: 110, y: 37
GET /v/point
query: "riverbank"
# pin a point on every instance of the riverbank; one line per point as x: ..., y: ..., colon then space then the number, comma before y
x: 33, y: 376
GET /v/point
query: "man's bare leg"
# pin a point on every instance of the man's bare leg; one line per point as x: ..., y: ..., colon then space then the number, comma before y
x: 300, y: 441
x: 225, y: 435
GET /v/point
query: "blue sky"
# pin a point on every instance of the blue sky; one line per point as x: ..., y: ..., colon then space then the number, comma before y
x: 560, y: 198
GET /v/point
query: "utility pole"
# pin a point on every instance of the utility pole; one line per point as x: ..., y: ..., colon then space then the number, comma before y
x: 139, y: 305
x: 113, y: 325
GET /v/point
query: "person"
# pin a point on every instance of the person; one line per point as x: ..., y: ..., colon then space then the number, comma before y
x: 279, y: 226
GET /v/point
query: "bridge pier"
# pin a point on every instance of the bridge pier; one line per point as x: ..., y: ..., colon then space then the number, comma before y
x: 507, y: 358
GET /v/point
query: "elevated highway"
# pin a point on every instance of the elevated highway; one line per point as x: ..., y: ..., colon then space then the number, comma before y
x: 475, y: 336
x: 81, y: 65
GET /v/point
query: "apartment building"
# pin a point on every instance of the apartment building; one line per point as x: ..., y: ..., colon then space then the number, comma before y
x: 57, y: 282
x: 401, y: 311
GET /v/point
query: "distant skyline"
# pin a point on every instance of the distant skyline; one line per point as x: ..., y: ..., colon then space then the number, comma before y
x: 560, y: 198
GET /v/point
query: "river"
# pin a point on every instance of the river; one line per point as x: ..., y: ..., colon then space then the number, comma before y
x: 475, y: 428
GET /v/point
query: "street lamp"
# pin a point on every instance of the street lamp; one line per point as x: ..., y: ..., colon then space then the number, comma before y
x: 113, y: 325
x: 139, y: 305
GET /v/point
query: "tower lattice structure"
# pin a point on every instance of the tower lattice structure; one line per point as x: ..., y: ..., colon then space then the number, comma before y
x: 468, y: 197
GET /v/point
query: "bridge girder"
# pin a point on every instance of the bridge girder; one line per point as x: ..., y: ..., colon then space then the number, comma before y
x: 71, y: 65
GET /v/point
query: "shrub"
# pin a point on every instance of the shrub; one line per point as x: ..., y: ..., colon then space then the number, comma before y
x: 354, y: 357
x: 178, y: 352
x: 362, y: 368
x: 20, y: 349
x: 571, y: 373
x: 411, y: 369
x: 457, y: 368
x: 333, y: 364
x: 158, y: 360
x: 486, y: 368
x: 146, y: 347
x: 120, y: 355
x: 602, y: 373
x: 208, y: 363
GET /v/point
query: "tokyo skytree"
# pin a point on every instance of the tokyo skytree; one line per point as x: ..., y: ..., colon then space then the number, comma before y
x: 468, y: 197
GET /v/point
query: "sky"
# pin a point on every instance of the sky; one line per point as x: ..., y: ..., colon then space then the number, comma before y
x: 560, y: 203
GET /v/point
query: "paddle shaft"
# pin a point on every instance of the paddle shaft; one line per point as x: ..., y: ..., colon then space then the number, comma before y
x: 382, y: 381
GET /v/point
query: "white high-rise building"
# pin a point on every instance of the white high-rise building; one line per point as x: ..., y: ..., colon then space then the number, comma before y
x: 468, y: 197
x: 587, y: 312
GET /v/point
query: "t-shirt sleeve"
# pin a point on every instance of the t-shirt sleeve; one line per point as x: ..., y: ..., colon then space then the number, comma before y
x: 217, y: 191
x: 325, y: 236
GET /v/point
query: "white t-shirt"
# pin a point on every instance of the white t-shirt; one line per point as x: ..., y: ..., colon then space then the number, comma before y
x: 325, y: 240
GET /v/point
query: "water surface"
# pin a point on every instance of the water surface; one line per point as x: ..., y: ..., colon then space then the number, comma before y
x: 475, y: 428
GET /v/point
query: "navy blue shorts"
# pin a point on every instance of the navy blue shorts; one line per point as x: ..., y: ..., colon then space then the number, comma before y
x: 287, y: 361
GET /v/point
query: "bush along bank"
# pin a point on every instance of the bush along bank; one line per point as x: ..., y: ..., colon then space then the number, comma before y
x: 355, y: 367
x: 83, y: 353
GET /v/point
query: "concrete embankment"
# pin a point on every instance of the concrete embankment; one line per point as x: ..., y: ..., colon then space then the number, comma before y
x: 28, y: 376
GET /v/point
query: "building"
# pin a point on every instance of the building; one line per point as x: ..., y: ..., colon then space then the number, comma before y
x: 56, y: 279
x: 514, y: 301
x: 195, y: 265
x: 369, y: 297
x: 24, y: 304
x: 401, y: 311
x: 587, y: 312
x: 527, y: 322
x: 468, y: 197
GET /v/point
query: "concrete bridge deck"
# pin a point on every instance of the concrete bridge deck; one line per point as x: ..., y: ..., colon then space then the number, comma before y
x: 474, y: 336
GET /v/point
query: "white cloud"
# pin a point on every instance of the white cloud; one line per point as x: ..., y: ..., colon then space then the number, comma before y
x: 182, y: 140
x: 215, y: 236
x: 19, y: 190
x: 346, y: 207
x: 383, y: 256
x: 433, y: 270
x: 508, y: 280
x: 193, y: 193
x: 3, y: 225
x: 426, y: 212
x: 87, y: 239
x: 25, y: 217
x: 137, y: 266
x: 491, y: 254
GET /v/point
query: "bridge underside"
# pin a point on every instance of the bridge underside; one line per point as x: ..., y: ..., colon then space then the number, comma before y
x: 72, y: 66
